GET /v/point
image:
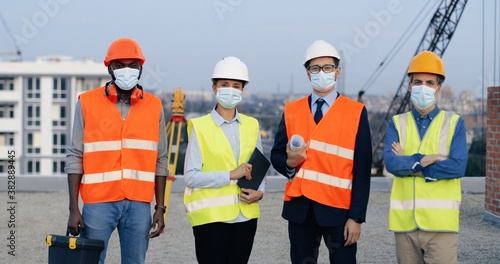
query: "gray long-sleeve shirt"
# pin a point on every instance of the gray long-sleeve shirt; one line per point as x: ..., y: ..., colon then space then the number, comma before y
x: 74, y: 156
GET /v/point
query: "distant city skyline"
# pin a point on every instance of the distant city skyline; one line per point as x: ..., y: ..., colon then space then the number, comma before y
x: 183, y: 40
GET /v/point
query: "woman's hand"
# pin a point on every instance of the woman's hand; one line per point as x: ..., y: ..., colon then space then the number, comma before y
x: 250, y: 196
x: 244, y: 170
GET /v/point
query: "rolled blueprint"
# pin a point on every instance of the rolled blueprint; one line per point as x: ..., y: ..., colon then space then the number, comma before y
x: 296, y: 142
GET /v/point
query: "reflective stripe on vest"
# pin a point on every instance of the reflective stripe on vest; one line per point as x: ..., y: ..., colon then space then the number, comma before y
x: 326, y: 175
x: 414, y: 203
x: 331, y: 149
x: 117, y: 175
x: 117, y: 145
x: 326, y: 179
x: 209, y: 205
x: 119, y: 156
x: 425, y: 203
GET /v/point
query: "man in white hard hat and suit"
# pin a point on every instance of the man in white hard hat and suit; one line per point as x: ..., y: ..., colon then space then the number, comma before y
x: 326, y: 196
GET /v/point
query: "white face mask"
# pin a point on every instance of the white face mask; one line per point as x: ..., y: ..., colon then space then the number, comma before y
x: 422, y: 96
x: 228, y: 97
x: 126, y: 78
x: 322, y: 81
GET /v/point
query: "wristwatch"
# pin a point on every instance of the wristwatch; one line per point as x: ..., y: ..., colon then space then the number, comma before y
x: 163, y: 208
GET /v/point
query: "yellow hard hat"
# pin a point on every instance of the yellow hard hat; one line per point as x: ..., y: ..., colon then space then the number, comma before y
x: 426, y: 62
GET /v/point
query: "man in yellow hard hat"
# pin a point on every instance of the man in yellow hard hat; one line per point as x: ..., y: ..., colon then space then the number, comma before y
x: 223, y: 215
x: 117, y: 158
x: 426, y: 150
x: 326, y: 196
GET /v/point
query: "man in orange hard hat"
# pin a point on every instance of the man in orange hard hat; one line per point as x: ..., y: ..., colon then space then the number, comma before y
x: 117, y: 158
x: 426, y: 150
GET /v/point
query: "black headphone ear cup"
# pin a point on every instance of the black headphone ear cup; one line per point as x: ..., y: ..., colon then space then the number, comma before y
x: 135, y: 96
x: 112, y: 93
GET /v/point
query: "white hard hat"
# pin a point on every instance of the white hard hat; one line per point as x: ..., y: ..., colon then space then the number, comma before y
x: 320, y: 48
x: 231, y: 68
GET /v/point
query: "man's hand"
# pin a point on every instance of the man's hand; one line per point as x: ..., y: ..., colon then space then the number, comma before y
x: 295, y: 158
x: 352, y: 232
x: 250, y: 196
x: 75, y: 222
x: 431, y: 159
x: 158, y: 224
x: 397, y: 149
x: 244, y: 170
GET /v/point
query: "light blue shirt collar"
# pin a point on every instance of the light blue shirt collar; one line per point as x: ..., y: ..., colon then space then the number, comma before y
x: 329, y: 99
x: 430, y: 115
x: 219, y: 120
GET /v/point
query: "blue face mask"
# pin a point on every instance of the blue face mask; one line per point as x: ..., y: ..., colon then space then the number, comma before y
x: 322, y: 81
x: 423, y: 96
x: 126, y: 78
x: 228, y: 97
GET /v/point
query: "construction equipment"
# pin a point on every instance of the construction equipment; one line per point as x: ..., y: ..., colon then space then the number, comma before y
x: 436, y: 39
x: 177, y: 138
x: 17, y: 52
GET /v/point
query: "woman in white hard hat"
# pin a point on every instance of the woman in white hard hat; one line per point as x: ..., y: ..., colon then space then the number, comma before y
x: 223, y: 215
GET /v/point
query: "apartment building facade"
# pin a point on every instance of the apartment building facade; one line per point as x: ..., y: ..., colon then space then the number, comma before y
x: 37, y: 103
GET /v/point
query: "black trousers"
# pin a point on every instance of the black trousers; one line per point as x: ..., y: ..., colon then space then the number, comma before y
x: 219, y: 243
x: 305, y: 239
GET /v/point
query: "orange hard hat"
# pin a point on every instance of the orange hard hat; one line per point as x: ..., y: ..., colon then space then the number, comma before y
x: 426, y: 62
x: 124, y: 48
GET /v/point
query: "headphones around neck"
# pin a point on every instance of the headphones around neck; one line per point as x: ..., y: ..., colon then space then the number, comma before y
x: 112, y: 93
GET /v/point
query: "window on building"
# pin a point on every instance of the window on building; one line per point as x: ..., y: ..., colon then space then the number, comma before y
x: 6, y: 110
x: 4, y: 166
x: 86, y: 84
x: 32, y: 116
x: 33, y: 140
x: 6, y: 139
x: 59, y: 143
x: 32, y: 166
x: 58, y: 166
x: 6, y: 84
x: 60, y: 92
x: 33, y: 88
x: 59, y: 116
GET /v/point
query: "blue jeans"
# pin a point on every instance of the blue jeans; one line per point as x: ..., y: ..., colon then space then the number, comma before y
x: 133, y: 220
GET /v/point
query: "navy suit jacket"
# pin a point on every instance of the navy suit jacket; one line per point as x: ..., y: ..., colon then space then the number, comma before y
x: 296, y: 209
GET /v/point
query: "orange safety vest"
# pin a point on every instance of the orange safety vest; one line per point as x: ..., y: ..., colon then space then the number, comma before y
x: 119, y: 157
x: 326, y: 174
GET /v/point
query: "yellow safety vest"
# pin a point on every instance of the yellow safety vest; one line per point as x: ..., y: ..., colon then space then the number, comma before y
x: 209, y: 205
x: 415, y: 203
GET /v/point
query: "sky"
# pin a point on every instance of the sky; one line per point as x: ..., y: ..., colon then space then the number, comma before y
x: 183, y: 40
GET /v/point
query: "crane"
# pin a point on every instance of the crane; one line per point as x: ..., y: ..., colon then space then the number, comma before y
x: 176, y: 136
x: 17, y: 53
x: 436, y: 39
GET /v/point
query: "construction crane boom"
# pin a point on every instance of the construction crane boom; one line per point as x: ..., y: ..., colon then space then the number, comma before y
x: 436, y: 39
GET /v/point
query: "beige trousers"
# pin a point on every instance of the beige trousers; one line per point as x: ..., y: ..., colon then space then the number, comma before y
x: 419, y: 247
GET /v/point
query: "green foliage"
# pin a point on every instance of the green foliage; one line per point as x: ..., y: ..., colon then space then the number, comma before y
x: 476, y: 165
